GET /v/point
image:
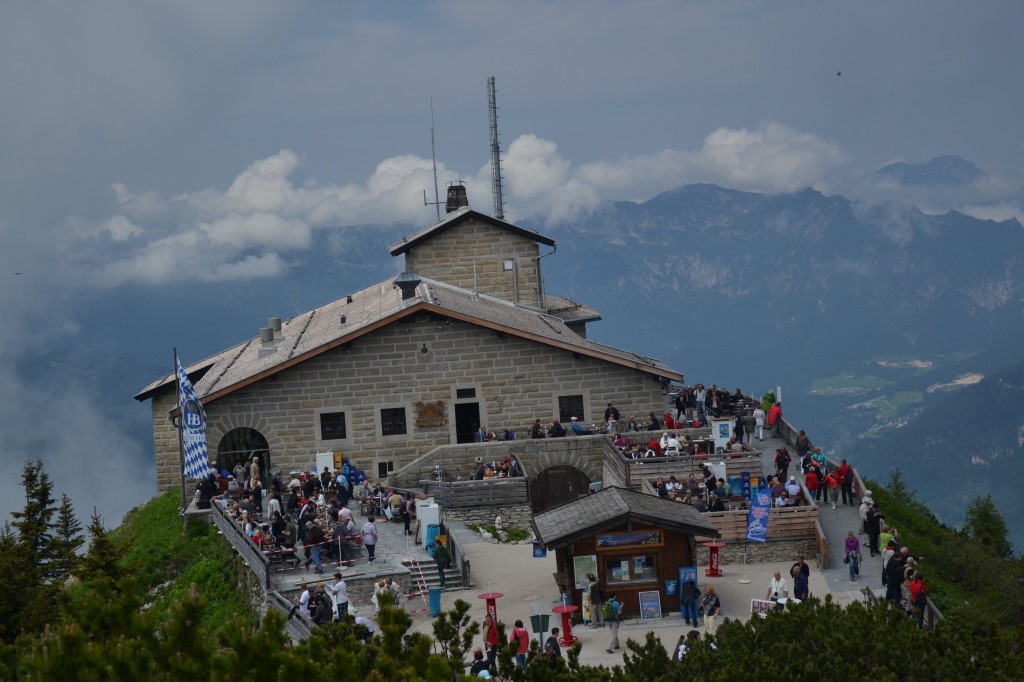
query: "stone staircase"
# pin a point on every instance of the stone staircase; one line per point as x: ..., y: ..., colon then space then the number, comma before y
x: 452, y: 577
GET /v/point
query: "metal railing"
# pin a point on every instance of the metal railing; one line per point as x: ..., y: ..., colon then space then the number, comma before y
x: 257, y: 561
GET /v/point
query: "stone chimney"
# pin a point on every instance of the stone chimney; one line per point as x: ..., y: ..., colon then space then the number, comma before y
x: 456, y: 198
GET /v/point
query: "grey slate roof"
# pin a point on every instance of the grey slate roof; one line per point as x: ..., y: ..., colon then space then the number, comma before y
x: 321, y: 329
x: 612, y: 507
x: 456, y: 217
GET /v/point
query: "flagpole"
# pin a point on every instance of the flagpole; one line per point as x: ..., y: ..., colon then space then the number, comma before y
x: 181, y: 442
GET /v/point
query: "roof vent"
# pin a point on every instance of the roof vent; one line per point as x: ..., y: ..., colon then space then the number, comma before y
x: 456, y: 198
x: 267, y: 341
x: 407, y: 282
x: 275, y: 324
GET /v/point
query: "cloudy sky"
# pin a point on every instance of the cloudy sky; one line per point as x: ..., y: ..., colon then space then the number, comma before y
x: 148, y: 143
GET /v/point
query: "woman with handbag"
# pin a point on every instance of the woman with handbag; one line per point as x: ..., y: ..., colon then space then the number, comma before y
x: 852, y: 548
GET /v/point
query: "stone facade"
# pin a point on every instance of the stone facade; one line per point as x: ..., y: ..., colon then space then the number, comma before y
x: 506, y: 263
x: 737, y: 553
x: 513, y: 381
x: 461, y: 461
x: 517, y: 515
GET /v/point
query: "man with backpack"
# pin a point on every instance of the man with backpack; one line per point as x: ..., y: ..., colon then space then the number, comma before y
x: 611, y: 610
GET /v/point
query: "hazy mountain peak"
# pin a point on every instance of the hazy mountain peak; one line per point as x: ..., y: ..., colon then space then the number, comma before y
x: 942, y: 170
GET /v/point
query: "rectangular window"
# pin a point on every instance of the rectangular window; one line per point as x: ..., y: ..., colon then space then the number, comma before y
x: 332, y: 426
x: 570, y: 406
x: 627, y: 569
x: 392, y: 421
x: 465, y: 393
x: 384, y: 469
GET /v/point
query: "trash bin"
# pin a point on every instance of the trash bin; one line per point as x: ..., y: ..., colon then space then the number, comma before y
x: 671, y: 586
x: 434, y: 600
x: 433, y: 530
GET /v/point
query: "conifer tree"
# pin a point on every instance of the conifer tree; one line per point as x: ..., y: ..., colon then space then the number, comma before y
x: 35, y: 522
x: 986, y: 525
x: 67, y: 540
x: 102, y: 559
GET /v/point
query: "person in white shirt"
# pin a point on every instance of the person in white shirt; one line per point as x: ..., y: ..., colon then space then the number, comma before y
x: 340, y: 593
x: 371, y: 628
x: 759, y: 417
x: 778, y: 588
x: 672, y: 446
x: 304, y: 601
x: 793, y: 488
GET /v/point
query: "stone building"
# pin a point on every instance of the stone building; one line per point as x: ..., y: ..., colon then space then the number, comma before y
x: 466, y: 337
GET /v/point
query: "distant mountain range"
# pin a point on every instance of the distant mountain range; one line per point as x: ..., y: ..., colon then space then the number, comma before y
x: 855, y: 309
x: 942, y: 170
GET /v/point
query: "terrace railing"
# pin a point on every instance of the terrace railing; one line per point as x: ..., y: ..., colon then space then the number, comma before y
x: 257, y: 561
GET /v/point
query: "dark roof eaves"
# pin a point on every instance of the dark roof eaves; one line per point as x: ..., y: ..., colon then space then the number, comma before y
x: 437, y: 228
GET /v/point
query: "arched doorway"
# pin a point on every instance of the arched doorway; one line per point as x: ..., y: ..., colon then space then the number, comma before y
x: 238, y: 447
x: 557, y: 485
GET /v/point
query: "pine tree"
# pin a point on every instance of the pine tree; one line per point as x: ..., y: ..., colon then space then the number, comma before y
x: 35, y: 522
x: 67, y: 540
x: 986, y: 525
x: 102, y: 559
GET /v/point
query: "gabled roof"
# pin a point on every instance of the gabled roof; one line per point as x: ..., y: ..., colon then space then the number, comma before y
x: 320, y: 330
x: 612, y: 507
x: 461, y: 215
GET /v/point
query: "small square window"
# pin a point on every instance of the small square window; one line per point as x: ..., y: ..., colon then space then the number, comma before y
x: 332, y: 426
x: 392, y: 421
x: 384, y: 469
x: 570, y: 406
x: 508, y: 264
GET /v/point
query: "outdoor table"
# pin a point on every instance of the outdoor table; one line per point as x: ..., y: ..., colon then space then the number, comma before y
x: 713, y: 570
x: 566, y: 612
x: 492, y: 605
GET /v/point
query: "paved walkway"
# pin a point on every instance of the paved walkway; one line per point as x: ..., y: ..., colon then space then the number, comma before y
x: 835, y: 523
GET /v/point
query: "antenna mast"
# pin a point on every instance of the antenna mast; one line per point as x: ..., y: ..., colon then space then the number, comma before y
x: 433, y: 157
x: 496, y: 188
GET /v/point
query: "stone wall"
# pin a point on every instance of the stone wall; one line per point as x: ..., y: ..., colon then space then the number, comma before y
x: 760, y: 552
x: 461, y: 461
x: 518, y: 515
x: 449, y: 257
x: 514, y: 380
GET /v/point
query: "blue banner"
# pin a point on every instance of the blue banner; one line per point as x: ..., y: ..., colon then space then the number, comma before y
x: 757, y: 517
x: 193, y: 428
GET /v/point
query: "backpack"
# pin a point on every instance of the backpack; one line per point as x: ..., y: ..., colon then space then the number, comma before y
x: 607, y: 612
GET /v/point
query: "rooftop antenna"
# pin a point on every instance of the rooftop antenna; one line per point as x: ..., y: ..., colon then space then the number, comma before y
x: 436, y: 203
x: 496, y: 190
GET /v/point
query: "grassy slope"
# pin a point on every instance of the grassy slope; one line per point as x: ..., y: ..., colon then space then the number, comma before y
x: 168, y: 557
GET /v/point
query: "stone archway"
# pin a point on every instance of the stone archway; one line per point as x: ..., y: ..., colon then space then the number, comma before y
x: 239, y: 445
x: 556, y: 486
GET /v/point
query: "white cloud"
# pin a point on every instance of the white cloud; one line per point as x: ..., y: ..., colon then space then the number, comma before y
x: 249, y: 229
x: 772, y: 158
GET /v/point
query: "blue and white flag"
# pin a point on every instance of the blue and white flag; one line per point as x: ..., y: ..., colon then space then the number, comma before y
x: 757, y: 517
x: 193, y: 428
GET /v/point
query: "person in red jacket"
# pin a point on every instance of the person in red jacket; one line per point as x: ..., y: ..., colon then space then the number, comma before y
x: 845, y: 474
x: 522, y: 639
x: 490, y: 639
x: 919, y: 597
x: 775, y: 418
x: 811, y: 481
x: 832, y: 487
